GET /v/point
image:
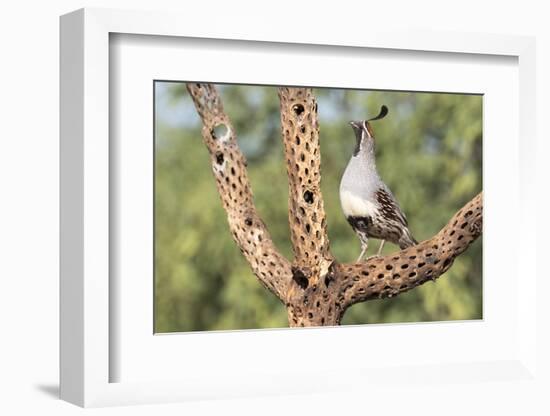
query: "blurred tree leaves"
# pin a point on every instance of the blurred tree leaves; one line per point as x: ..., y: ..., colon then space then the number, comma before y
x: 429, y: 151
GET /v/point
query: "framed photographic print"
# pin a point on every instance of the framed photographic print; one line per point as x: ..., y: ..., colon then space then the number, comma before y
x: 245, y: 215
x: 205, y: 284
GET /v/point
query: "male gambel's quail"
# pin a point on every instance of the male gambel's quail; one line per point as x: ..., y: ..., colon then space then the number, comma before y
x: 367, y: 202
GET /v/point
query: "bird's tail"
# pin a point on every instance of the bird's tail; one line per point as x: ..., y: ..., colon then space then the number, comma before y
x: 407, y: 240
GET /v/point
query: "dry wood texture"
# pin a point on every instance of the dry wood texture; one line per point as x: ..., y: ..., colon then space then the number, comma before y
x: 315, y: 288
x: 229, y: 168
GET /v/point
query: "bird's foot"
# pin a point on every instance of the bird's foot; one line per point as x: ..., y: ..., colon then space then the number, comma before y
x: 374, y: 256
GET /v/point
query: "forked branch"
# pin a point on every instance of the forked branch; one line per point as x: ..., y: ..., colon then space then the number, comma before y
x: 315, y: 288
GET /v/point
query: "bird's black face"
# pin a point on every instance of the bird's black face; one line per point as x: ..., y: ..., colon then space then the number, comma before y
x: 362, y: 134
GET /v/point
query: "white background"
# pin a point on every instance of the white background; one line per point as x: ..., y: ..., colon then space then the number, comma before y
x: 29, y: 208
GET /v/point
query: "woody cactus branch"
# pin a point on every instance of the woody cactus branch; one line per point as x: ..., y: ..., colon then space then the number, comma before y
x: 306, y: 213
x: 315, y: 288
x: 229, y: 169
x: 397, y: 273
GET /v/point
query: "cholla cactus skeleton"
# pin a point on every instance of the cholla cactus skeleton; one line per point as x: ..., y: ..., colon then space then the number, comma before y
x: 315, y: 288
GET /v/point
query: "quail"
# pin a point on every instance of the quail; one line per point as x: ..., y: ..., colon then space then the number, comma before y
x: 367, y: 202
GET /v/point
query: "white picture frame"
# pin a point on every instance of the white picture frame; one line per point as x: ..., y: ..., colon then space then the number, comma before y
x: 86, y: 350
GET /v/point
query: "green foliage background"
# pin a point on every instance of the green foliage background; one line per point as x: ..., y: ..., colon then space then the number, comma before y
x: 429, y: 152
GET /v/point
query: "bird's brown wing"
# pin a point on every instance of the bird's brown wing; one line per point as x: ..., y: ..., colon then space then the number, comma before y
x: 389, y: 206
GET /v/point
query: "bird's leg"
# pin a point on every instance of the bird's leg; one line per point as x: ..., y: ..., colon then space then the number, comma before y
x: 379, y: 251
x: 363, y: 251
x: 380, y: 248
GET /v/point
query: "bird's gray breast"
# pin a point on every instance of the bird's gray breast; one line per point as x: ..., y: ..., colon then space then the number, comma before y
x: 357, y: 189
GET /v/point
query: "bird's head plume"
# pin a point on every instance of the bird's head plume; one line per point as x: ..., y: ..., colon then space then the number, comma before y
x: 363, y: 130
